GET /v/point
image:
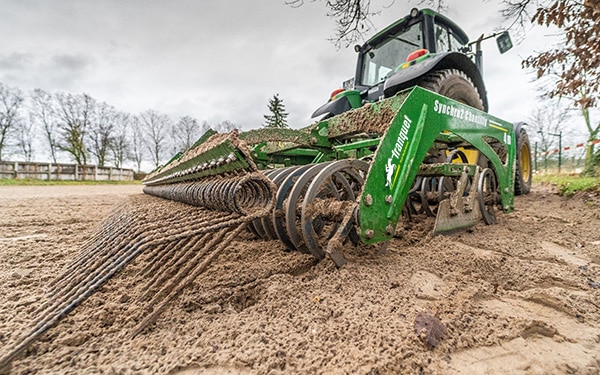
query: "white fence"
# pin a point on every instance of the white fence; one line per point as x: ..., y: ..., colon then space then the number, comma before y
x: 66, y: 172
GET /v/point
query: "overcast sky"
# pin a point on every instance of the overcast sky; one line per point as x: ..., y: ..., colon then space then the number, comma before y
x: 220, y: 60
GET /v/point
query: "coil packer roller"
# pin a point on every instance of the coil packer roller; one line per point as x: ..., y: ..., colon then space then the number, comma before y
x: 354, y: 175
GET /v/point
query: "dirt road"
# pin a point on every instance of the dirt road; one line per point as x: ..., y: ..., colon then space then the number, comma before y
x: 520, y: 297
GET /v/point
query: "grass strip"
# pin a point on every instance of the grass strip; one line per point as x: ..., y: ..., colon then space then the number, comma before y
x: 568, y: 185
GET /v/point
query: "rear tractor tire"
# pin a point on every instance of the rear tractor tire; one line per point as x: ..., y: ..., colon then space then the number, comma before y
x: 523, y: 163
x: 453, y: 84
x: 456, y: 85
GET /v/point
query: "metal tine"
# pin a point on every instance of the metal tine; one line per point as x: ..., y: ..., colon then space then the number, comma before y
x: 221, y: 226
x: 141, y: 232
x: 114, y: 218
x: 69, y: 294
x: 175, y: 263
x: 82, y: 280
x: 107, y: 244
x: 97, y: 264
x: 158, y: 259
x: 100, y: 251
x: 173, y: 281
x: 187, y: 280
x: 90, y: 249
x: 117, y: 220
x: 41, y: 326
x: 121, y: 212
x: 172, y: 234
x: 106, y: 251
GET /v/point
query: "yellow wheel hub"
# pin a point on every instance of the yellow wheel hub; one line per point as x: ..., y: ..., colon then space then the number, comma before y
x: 525, y: 163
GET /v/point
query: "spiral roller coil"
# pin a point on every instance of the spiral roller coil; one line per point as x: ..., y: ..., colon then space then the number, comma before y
x: 247, y: 195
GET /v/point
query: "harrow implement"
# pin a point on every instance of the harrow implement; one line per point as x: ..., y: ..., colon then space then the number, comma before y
x: 348, y: 179
x: 353, y: 176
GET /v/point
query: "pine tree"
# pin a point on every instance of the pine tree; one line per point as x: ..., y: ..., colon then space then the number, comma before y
x: 278, y: 116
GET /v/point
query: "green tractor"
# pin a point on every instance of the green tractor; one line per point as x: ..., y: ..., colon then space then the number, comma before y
x: 408, y: 136
x: 429, y: 50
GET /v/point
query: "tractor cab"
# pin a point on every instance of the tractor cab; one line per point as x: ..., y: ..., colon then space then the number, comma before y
x: 402, y: 45
x: 404, y: 54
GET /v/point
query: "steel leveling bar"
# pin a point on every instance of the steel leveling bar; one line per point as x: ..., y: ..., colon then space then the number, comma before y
x: 220, y: 154
x: 422, y: 119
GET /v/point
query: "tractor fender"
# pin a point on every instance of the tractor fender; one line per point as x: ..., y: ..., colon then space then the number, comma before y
x: 411, y: 75
x: 518, y: 125
x: 333, y: 107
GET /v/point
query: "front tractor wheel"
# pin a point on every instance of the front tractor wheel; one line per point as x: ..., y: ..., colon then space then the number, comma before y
x: 523, y: 170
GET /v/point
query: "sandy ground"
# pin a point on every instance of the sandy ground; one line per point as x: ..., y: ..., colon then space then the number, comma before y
x: 520, y: 297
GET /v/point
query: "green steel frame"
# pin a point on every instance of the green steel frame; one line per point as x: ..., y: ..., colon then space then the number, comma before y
x: 424, y: 119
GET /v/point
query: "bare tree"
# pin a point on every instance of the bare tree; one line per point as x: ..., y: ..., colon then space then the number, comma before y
x: 43, y: 110
x: 186, y: 131
x: 119, y: 142
x: 573, y: 65
x: 101, y: 131
x: 156, y: 127
x: 225, y: 126
x: 205, y: 127
x: 353, y: 17
x: 138, y: 142
x: 25, y: 136
x: 10, y: 104
x: 75, y: 113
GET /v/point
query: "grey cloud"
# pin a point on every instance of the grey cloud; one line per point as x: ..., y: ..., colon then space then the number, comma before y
x: 68, y: 71
x: 15, y: 61
x: 76, y: 64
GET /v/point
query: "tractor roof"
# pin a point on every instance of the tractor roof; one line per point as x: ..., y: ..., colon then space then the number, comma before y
x: 440, y: 18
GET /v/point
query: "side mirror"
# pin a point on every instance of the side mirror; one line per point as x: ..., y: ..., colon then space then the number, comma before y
x: 504, y: 42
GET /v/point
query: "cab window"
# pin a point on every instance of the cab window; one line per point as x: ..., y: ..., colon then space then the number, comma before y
x: 445, y: 39
x: 383, y: 59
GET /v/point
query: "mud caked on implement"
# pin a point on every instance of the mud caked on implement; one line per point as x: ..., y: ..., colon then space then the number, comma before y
x: 407, y: 137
